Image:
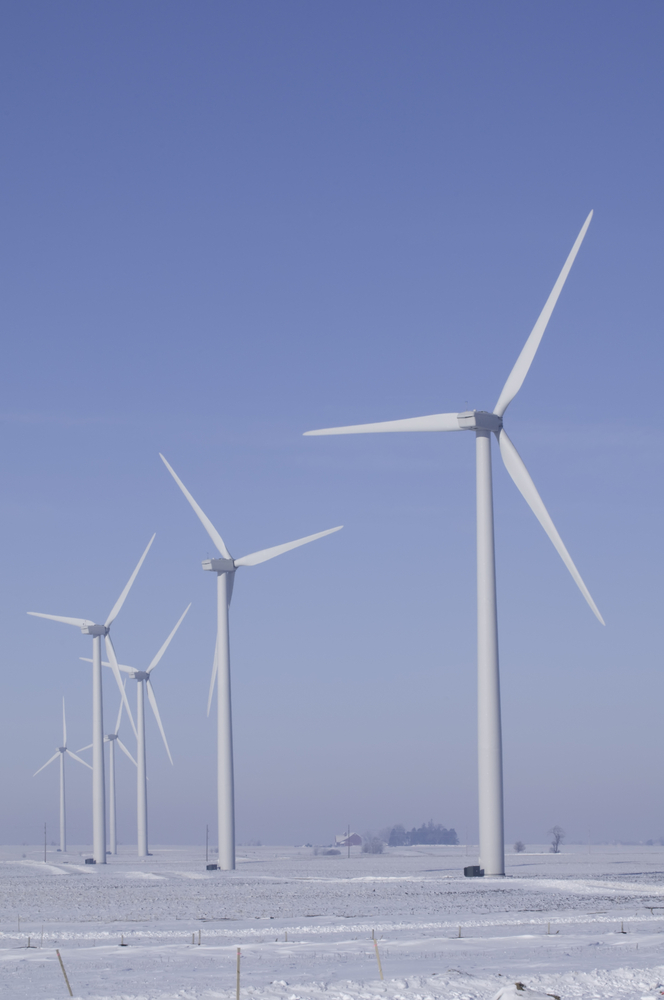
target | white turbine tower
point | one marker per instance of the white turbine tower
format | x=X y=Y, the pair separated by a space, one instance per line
x=492 y=851
x=88 y=627
x=60 y=752
x=145 y=683
x=225 y=568
x=112 y=739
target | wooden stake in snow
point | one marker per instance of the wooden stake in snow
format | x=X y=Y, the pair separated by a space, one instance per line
x=380 y=967
x=62 y=966
x=237 y=984
x=199 y=935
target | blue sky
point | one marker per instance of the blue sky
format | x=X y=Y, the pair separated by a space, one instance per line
x=224 y=224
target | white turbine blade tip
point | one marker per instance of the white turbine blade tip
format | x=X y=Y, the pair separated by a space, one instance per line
x=121 y=599
x=523 y=362
x=118 y=680
x=153 y=703
x=433 y=422
x=124 y=750
x=212 y=680
x=523 y=482
x=49 y=761
x=165 y=646
x=202 y=517
x=258 y=557
x=78 y=622
x=79 y=759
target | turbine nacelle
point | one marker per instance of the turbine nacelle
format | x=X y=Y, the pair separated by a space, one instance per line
x=94 y=629
x=479 y=420
x=141 y=675
x=219 y=565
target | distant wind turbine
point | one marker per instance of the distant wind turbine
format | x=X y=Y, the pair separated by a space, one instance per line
x=225 y=568
x=60 y=752
x=112 y=739
x=145 y=683
x=492 y=847
x=88 y=627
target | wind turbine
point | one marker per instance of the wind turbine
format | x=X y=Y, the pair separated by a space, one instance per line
x=145 y=683
x=225 y=568
x=88 y=627
x=492 y=848
x=60 y=752
x=112 y=739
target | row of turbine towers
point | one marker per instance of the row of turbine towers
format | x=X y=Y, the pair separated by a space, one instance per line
x=225 y=569
x=485 y=425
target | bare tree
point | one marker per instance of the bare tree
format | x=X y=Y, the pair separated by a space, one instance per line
x=558 y=835
x=519 y=847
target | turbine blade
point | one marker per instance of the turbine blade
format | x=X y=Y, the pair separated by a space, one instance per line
x=124 y=750
x=525 y=485
x=525 y=359
x=79 y=622
x=64 y=725
x=212 y=680
x=153 y=703
x=50 y=761
x=434 y=422
x=117 y=724
x=121 y=666
x=121 y=599
x=258 y=557
x=203 y=518
x=118 y=680
x=79 y=759
x=81 y=749
x=163 y=649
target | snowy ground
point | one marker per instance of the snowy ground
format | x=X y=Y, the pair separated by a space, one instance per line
x=584 y=924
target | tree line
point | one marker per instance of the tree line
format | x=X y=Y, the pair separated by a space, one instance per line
x=428 y=833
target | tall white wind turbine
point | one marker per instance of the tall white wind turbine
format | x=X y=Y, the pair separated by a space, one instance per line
x=225 y=568
x=492 y=849
x=88 y=627
x=60 y=752
x=112 y=739
x=144 y=683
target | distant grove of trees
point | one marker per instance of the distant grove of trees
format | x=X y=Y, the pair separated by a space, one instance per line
x=428 y=833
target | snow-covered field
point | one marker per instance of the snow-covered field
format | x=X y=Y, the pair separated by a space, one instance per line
x=586 y=923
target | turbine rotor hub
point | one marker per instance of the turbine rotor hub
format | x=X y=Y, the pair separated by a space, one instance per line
x=62 y=749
